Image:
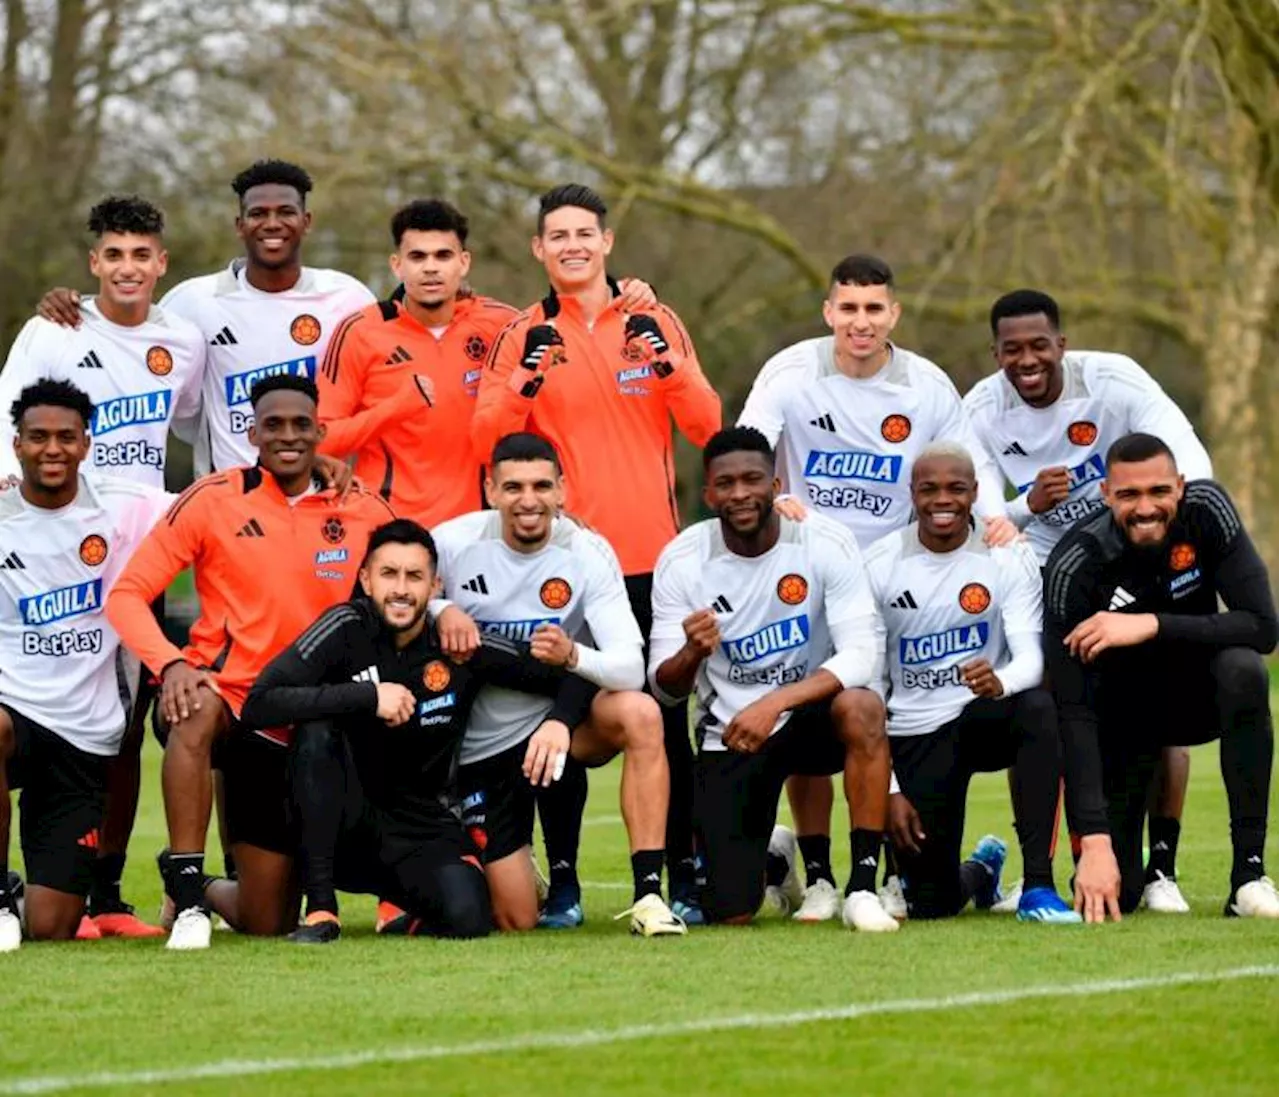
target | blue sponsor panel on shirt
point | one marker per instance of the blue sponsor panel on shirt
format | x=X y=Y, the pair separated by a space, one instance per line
x=915 y=650
x=878 y=468
x=131 y=411
x=776 y=636
x=59 y=604
x=1089 y=471
x=516 y=630
x=240 y=385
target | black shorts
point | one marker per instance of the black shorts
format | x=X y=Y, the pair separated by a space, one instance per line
x=735 y=805
x=63 y=790
x=255 y=780
x=498 y=803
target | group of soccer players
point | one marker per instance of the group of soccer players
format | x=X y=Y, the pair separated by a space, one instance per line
x=441 y=575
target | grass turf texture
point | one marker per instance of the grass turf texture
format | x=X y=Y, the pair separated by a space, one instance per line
x=75 y=1010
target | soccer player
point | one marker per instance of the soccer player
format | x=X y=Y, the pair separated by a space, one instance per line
x=849 y=413
x=410 y=366
x=142 y=367
x=265 y=315
x=382 y=711
x=1140 y=656
x=523 y=572
x=963 y=672
x=602 y=381
x=1048 y=417
x=271 y=549
x=64 y=539
x=747 y=609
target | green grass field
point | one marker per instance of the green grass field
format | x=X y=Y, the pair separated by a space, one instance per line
x=983 y=1005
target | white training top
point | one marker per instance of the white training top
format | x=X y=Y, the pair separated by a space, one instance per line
x=252 y=335
x=801 y=607
x=942 y=610
x=61 y=663
x=1104 y=397
x=573 y=581
x=140 y=380
x=848 y=443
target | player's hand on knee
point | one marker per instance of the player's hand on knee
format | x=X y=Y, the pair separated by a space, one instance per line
x=180 y=691
x=981 y=679
x=544 y=760
x=1104 y=630
x=748 y=732
x=997 y=530
x=1097 y=893
x=459 y=634
x=395 y=703
x=550 y=644
x=905 y=827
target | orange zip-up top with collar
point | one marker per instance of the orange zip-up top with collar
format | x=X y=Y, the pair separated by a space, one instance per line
x=265 y=568
x=606 y=403
x=416 y=456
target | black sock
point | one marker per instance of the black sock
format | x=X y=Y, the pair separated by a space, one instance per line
x=1037 y=777
x=974 y=875
x=321 y=787
x=864 y=850
x=229 y=866
x=186 y=880
x=815 y=852
x=104 y=891
x=775 y=869
x=890 y=862
x=682 y=875
x=1247 y=754
x=560 y=808
x=681 y=866
x=646 y=871
x=1163 y=837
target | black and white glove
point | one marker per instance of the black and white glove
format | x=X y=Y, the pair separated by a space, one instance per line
x=543 y=348
x=643 y=329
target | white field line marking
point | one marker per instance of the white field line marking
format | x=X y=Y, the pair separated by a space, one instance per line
x=542 y=1041
x=603 y=821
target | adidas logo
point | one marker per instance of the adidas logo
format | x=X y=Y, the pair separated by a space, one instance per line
x=1013 y=450
x=89 y=839
x=721 y=605
x=397 y=356
x=224 y=338
x=90 y=361
x=12 y=562
x=904 y=601
x=825 y=422
x=868 y=862
x=1121 y=598
x=251 y=529
x=476 y=585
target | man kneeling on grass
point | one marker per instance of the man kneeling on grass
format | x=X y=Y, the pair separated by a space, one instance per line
x=380 y=713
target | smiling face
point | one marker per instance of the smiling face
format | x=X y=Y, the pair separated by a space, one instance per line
x=861 y=318
x=741 y=487
x=1144 y=497
x=528 y=495
x=272 y=223
x=50 y=444
x=1029 y=350
x=432 y=266
x=573 y=247
x=286 y=431
x=943 y=490
x=399 y=580
x=127 y=265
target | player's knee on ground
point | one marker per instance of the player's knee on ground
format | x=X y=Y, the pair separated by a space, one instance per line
x=513 y=895
x=732 y=903
x=859 y=719
x=1241 y=675
x=464 y=903
x=52 y=915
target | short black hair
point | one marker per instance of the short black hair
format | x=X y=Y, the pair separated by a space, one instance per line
x=736 y=440
x=401 y=531
x=1024 y=302
x=48 y=393
x=284 y=382
x=126 y=213
x=429 y=215
x=281 y=172
x=523 y=446
x=862 y=270
x=571 y=194
x=1129 y=449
